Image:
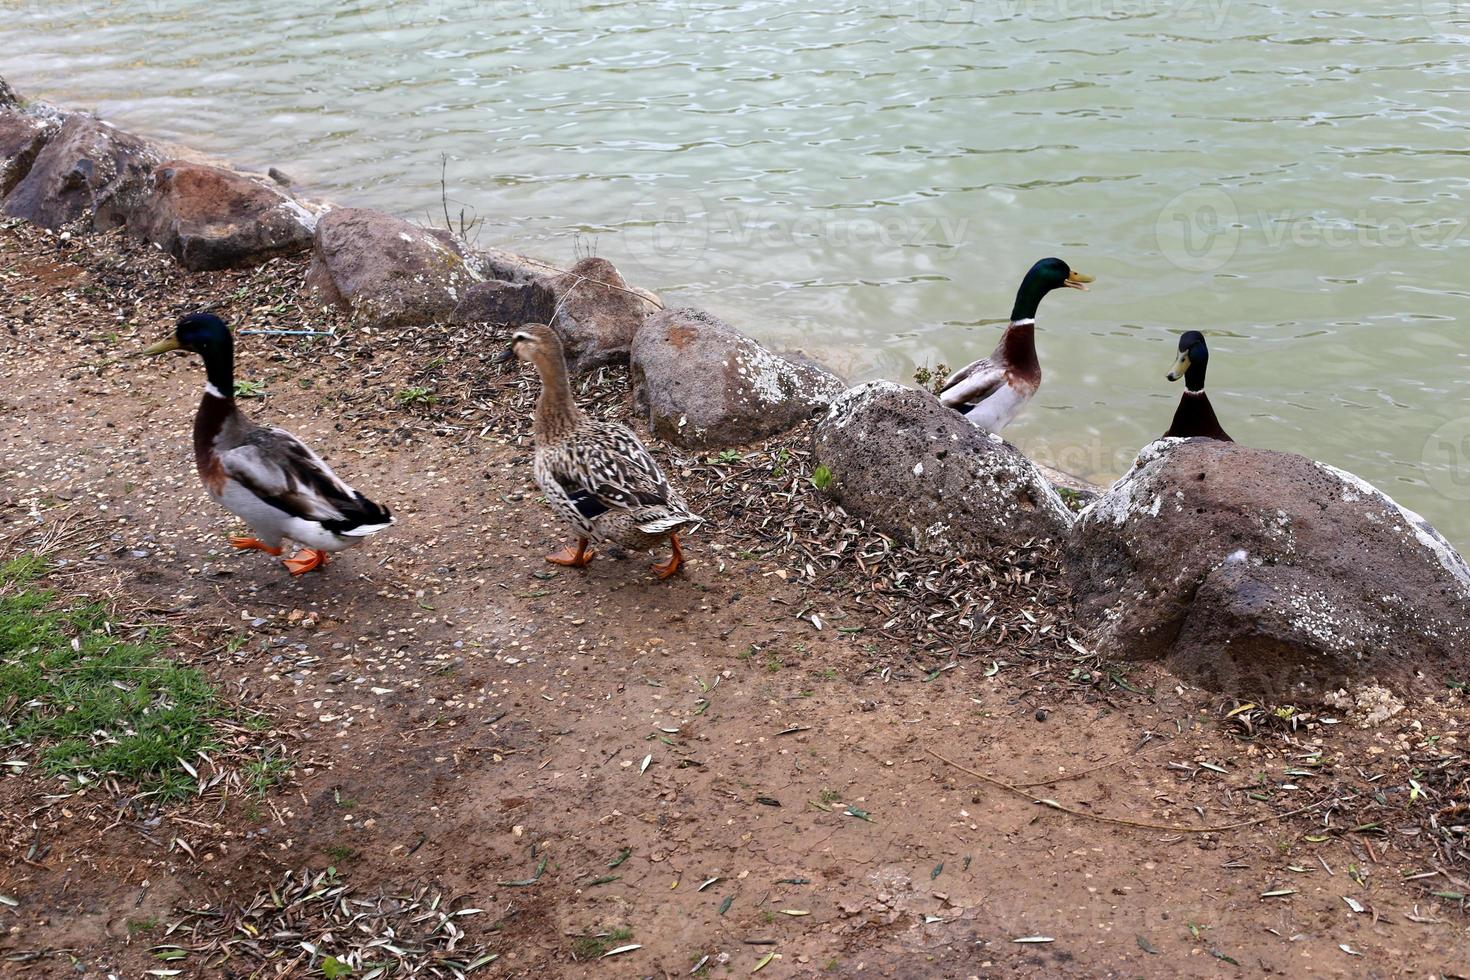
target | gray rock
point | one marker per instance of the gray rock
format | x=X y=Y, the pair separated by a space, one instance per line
x=500 y=301
x=22 y=137
x=921 y=472
x=212 y=218
x=88 y=171
x=7 y=95
x=1263 y=573
x=703 y=384
x=386 y=271
x=597 y=314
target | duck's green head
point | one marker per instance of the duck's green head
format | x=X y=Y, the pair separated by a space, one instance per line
x=206 y=335
x=1043 y=277
x=1194 y=357
x=199 y=333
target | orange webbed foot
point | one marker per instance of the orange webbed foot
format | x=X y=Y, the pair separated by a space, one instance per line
x=579 y=557
x=676 y=561
x=306 y=560
x=252 y=544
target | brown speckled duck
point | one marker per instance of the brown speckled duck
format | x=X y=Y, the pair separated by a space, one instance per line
x=596 y=475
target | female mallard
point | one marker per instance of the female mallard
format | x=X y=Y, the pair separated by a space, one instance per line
x=1194 y=416
x=596 y=475
x=266 y=476
x=992 y=391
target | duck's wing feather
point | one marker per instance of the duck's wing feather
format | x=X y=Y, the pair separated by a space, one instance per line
x=611 y=471
x=282 y=470
x=973 y=383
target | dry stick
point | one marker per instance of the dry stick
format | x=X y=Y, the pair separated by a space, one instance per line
x=1076 y=775
x=1120 y=821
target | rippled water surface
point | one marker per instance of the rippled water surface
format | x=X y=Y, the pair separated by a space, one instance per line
x=870 y=178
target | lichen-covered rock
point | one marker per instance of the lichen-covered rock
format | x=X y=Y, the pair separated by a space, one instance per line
x=703 y=384
x=212 y=218
x=1266 y=573
x=88 y=171
x=386 y=271
x=22 y=137
x=921 y=472
x=597 y=314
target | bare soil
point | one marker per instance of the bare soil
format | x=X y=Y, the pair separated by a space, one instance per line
x=756 y=739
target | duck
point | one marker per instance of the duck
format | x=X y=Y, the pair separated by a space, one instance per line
x=992 y=391
x=599 y=479
x=1195 y=416
x=266 y=476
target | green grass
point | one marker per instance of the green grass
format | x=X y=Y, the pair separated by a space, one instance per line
x=91 y=703
x=415 y=395
x=591 y=947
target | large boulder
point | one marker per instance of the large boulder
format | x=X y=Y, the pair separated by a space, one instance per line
x=1266 y=573
x=703 y=384
x=597 y=314
x=22 y=137
x=212 y=218
x=504 y=301
x=926 y=475
x=88 y=171
x=386 y=271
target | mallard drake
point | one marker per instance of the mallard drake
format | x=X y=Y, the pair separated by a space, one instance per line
x=266 y=476
x=992 y=391
x=596 y=475
x=1194 y=416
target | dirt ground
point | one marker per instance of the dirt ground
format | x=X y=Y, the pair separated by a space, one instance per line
x=736 y=768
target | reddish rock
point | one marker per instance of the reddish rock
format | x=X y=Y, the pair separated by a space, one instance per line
x=88 y=171
x=211 y=218
x=1262 y=573
x=704 y=384
x=921 y=472
x=388 y=272
x=597 y=314
x=22 y=137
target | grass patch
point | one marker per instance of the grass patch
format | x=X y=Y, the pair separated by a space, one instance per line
x=592 y=947
x=90 y=703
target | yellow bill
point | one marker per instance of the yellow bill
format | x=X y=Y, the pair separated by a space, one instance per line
x=1078 y=280
x=1180 y=366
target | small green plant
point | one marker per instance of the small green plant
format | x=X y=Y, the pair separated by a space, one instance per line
x=821 y=478
x=931 y=379
x=137 y=927
x=264 y=774
x=729 y=457
x=339 y=853
x=332 y=968
x=249 y=389
x=767 y=916
x=829 y=796
x=830 y=674
x=774 y=663
x=592 y=947
x=415 y=396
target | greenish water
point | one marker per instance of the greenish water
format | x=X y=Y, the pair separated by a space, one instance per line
x=870 y=178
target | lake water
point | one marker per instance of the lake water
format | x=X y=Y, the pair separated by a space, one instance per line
x=870 y=178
